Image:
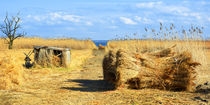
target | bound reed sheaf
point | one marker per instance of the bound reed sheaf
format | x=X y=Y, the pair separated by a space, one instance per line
x=164 y=69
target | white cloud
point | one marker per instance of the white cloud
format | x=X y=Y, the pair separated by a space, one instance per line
x=161 y=20
x=197 y=15
x=143 y=20
x=54 y=16
x=205 y=2
x=137 y=18
x=39 y=18
x=88 y=23
x=50 y=22
x=172 y=9
x=112 y=21
x=92 y=32
x=147 y=21
x=67 y=17
x=192 y=14
x=72 y=18
x=57 y=18
x=209 y=19
x=161 y=7
x=165 y=21
x=185 y=14
x=127 y=20
x=113 y=27
x=28 y=16
x=148 y=4
x=69 y=28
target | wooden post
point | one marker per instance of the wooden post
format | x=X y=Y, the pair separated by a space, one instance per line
x=66 y=58
x=35 y=55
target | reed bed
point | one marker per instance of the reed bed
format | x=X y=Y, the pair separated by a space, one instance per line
x=188 y=44
x=28 y=43
x=189 y=40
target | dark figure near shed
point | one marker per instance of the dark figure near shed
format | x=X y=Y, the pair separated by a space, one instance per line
x=27 y=59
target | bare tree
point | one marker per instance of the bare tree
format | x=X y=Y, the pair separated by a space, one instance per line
x=10 y=28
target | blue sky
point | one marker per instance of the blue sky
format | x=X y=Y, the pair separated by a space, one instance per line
x=104 y=19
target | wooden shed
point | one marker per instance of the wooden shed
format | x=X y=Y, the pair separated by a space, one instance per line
x=52 y=56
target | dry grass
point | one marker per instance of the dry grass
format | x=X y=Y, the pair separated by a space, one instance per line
x=11 y=72
x=208 y=55
x=78 y=57
x=27 y=43
x=44 y=87
x=208 y=44
x=196 y=48
x=11 y=61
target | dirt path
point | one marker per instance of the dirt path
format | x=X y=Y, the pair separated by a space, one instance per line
x=86 y=87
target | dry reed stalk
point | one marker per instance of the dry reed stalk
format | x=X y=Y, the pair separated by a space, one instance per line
x=27 y=43
x=118 y=67
x=56 y=61
x=11 y=75
x=45 y=58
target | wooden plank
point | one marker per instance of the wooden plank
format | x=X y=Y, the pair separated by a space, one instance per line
x=52 y=48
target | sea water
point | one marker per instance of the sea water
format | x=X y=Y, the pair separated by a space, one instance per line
x=102 y=42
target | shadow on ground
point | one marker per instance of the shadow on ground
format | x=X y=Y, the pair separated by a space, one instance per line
x=90 y=85
x=203 y=91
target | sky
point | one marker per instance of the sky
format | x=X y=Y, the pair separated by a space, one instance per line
x=104 y=19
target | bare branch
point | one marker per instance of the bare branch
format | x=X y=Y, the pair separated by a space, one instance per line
x=6 y=25
x=16 y=25
x=20 y=35
x=5 y=32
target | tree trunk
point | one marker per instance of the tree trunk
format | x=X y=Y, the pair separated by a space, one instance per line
x=11 y=44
